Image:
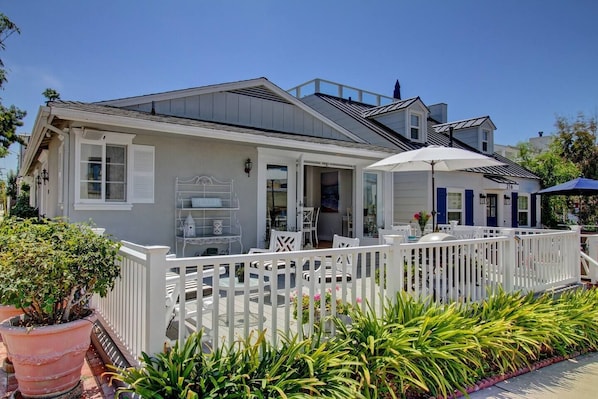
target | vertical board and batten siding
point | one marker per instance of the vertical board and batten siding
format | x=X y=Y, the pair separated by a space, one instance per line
x=395 y=121
x=238 y=109
x=470 y=136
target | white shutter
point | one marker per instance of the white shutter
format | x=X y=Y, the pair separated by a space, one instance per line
x=142 y=174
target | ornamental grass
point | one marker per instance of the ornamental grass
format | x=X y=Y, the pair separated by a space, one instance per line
x=415 y=349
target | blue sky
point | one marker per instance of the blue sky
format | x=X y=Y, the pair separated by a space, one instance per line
x=521 y=62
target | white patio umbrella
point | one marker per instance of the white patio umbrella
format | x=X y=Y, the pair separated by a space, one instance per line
x=434 y=158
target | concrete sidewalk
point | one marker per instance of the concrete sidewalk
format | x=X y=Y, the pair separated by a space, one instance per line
x=575 y=378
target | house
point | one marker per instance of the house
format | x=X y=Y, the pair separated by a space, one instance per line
x=120 y=163
x=491 y=196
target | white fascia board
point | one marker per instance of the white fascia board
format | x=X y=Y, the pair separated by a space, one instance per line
x=169 y=95
x=196 y=131
x=37 y=135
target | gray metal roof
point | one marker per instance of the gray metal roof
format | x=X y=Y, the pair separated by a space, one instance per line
x=395 y=106
x=398 y=142
x=140 y=115
x=464 y=124
x=356 y=110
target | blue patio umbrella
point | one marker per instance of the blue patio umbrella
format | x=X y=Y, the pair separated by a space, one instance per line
x=579 y=186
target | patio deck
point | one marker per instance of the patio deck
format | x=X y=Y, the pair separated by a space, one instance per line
x=465 y=270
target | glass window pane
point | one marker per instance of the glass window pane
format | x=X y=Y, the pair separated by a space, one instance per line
x=414 y=120
x=115 y=173
x=455 y=216
x=115 y=154
x=276 y=198
x=115 y=192
x=370 y=204
x=522 y=219
x=414 y=133
x=454 y=201
x=91 y=152
x=90 y=190
x=522 y=202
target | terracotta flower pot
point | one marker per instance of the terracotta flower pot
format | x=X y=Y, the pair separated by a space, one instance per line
x=48 y=360
x=8 y=312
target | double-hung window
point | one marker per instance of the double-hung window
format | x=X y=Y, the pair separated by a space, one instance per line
x=103 y=172
x=415 y=126
x=523 y=210
x=454 y=208
x=112 y=172
x=485 y=139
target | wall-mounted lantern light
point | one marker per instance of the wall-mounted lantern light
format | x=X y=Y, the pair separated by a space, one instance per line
x=482 y=199
x=248 y=166
x=45 y=176
x=507 y=200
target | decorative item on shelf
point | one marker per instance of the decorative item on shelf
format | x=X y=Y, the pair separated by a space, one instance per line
x=248 y=166
x=507 y=200
x=422 y=218
x=189 y=227
x=482 y=198
x=217 y=227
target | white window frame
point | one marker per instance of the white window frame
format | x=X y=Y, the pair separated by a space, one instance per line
x=418 y=127
x=461 y=210
x=94 y=137
x=485 y=140
x=523 y=210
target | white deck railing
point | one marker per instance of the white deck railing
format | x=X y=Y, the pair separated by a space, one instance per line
x=463 y=270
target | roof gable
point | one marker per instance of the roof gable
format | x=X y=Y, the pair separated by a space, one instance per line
x=256 y=103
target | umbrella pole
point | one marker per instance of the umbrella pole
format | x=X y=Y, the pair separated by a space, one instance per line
x=433 y=200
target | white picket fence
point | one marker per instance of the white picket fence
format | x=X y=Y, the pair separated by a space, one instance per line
x=141 y=315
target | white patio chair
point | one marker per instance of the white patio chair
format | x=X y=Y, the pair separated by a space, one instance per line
x=314 y=225
x=338 y=269
x=280 y=241
x=173 y=302
x=308 y=223
x=349 y=222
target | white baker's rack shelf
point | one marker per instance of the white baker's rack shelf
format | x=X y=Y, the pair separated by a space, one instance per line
x=213 y=207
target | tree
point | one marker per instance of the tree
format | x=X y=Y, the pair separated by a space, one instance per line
x=573 y=153
x=51 y=95
x=577 y=142
x=10 y=117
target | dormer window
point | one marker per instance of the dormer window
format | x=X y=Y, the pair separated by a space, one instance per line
x=415 y=127
x=485 y=139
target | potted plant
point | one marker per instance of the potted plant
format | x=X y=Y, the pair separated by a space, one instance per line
x=50 y=270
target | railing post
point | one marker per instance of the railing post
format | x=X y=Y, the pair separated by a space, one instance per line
x=592 y=242
x=393 y=268
x=509 y=258
x=155 y=298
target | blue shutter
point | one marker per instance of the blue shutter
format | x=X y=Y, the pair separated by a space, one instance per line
x=533 y=219
x=469 y=207
x=514 y=209
x=441 y=205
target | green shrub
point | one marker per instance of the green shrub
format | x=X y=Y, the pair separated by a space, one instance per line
x=414 y=349
x=246 y=369
x=51 y=269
